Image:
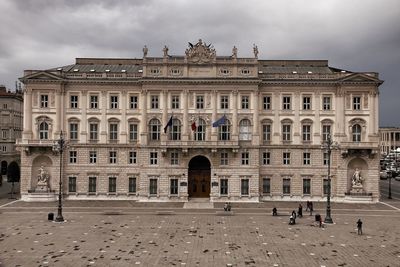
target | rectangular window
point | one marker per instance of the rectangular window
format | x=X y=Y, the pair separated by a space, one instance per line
x=112 y=157
x=92 y=184
x=175 y=102
x=72 y=156
x=174 y=158
x=92 y=157
x=223 y=187
x=224 y=102
x=326 y=103
x=244 y=187
x=286 y=101
x=153 y=186
x=326 y=186
x=326 y=131
x=153 y=158
x=286 y=158
x=132 y=157
x=306 y=158
x=173 y=186
x=154 y=102
x=72 y=184
x=73 y=131
x=245 y=102
x=93 y=131
x=224 y=133
x=74 y=101
x=266 y=185
x=113 y=134
x=326 y=158
x=306 y=133
x=44 y=101
x=224 y=158
x=267 y=103
x=266 y=132
x=4 y=133
x=133 y=132
x=357 y=103
x=286 y=132
x=286 y=186
x=112 y=184
x=199 y=102
x=266 y=158
x=306 y=186
x=245 y=158
x=114 y=102
x=94 y=100
x=306 y=103
x=133 y=102
x=132 y=185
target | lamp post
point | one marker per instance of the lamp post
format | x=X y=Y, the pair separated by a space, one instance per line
x=59 y=147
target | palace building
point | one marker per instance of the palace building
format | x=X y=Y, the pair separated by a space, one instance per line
x=200 y=125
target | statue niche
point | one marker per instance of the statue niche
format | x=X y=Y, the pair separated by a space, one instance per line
x=357 y=182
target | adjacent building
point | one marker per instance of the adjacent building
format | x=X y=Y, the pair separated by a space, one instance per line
x=389 y=138
x=200 y=125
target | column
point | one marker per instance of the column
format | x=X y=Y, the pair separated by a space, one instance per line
x=27 y=133
x=84 y=126
x=317 y=122
x=256 y=132
x=123 y=122
x=277 y=123
x=58 y=122
x=143 y=119
x=214 y=115
x=165 y=117
x=234 y=97
x=185 y=126
x=103 y=122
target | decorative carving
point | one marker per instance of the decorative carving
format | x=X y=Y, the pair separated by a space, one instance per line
x=357 y=179
x=348 y=101
x=366 y=101
x=200 y=53
x=42 y=180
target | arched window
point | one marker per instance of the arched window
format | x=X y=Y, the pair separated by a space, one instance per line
x=224 y=131
x=175 y=133
x=245 y=130
x=154 y=129
x=43 y=131
x=356 y=130
x=200 y=133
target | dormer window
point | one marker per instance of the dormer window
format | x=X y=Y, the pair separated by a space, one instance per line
x=245 y=71
x=175 y=71
x=155 y=71
x=224 y=71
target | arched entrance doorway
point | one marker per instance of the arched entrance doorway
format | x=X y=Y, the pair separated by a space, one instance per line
x=199 y=177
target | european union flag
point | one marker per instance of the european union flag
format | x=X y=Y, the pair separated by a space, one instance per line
x=219 y=122
x=168 y=125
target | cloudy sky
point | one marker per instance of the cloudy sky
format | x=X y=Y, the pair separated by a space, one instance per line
x=357 y=35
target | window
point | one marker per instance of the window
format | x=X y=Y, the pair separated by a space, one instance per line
x=112 y=184
x=72 y=156
x=113 y=131
x=286 y=132
x=154 y=102
x=244 y=187
x=245 y=102
x=224 y=102
x=153 y=186
x=357 y=103
x=93 y=131
x=224 y=158
x=200 y=131
x=306 y=158
x=306 y=132
x=175 y=133
x=92 y=184
x=92 y=157
x=94 y=100
x=73 y=131
x=72 y=184
x=175 y=102
x=199 y=102
x=153 y=158
x=4 y=133
x=223 y=186
x=286 y=158
x=326 y=103
x=286 y=101
x=326 y=131
x=132 y=157
x=326 y=158
x=266 y=158
x=173 y=186
x=326 y=186
x=73 y=101
x=44 y=101
x=356 y=129
x=5 y=106
x=245 y=158
x=43 y=131
x=132 y=185
x=245 y=130
x=112 y=157
x=114 y=102
x=266 y=185
x=224 y=132
x=133 y=102
x=174 y=158
x=306 y=103
x=286 y=186
x=155 y=127
x=306 y=186
x=266 y=132
x=133 y=132
x=267 y=103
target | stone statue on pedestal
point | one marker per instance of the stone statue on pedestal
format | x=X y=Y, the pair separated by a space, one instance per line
x=42 y=180
x=356 y=181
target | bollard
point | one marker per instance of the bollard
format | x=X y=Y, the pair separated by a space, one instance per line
x=50 y=216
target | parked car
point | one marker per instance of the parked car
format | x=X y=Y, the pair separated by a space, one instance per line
x=384 y=174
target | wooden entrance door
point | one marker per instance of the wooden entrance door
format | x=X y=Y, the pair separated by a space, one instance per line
x=199 y=183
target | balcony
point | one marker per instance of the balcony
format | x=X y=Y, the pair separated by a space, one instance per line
x=200 y=144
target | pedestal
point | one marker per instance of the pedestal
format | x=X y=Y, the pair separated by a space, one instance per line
x=356 y=189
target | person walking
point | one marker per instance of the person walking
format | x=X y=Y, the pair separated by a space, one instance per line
x=359 y=227
x=274 y=212
x=294 y=214
x=300 y=211
x=311 y=208
x=308 y=205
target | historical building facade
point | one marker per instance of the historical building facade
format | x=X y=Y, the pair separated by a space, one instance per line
x=198 y=125
x=390 y=139
x=11 y=108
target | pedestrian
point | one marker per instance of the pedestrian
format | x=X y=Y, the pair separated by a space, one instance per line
x=320 y=221
x=226 y=206
x=292 y=220
x=308 y=205
x=359 y=227
x=300 y=211
x=294 y=214
x=274 y=212
x=229 y=206
x=311 y=208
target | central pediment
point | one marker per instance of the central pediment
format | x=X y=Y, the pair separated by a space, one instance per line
x=200 y=53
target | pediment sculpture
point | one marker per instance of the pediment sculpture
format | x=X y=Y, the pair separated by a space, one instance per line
x=200 y=53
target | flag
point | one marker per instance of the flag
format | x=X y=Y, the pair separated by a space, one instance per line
x=219 y=122
x=194 y=126
x=169 y=123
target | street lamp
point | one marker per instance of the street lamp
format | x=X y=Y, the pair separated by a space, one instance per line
x=328 y=145
x=59 y=146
